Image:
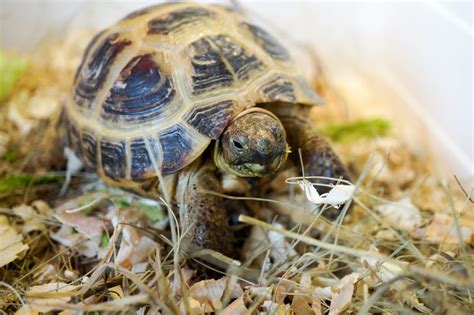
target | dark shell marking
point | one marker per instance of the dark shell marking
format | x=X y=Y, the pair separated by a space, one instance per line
x=89 y=149
x=177 y=145
x=211 y=120
x=140 y=93
x=92 y=75
x=86 y=53
x=210 y=56
x=173 y=21
x=209 y=69
x=269 y=43
x=279 y=89
x=141 y=161
x=243 y=64
x=114 y=157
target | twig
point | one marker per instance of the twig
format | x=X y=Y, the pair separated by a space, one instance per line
x=463 y=190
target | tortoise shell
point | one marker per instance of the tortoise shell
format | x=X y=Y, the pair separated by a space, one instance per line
x=155 y=89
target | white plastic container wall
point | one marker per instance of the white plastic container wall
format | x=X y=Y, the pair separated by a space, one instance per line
x=421 y=52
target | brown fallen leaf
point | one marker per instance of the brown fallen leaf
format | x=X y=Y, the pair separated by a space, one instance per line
x=443 y=230
x=11 y=243
x=182 y=279
x=209 y=293
x=342 y=294
x=42 y=298
x=235 y=308
x=67 y=237
x=135 y=247
x=87 y=225
x=401 y=214
x=31 y=218
x=302 y=305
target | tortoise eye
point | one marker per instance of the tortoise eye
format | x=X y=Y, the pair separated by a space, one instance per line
x=237 y=144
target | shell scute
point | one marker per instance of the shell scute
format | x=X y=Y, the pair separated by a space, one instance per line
x=141 y=163
x=89 y=149
x=178 y=148
x=113 y=157
x=91 y=76
x=243 y=63
x=140 y=93
x=177 y=20
x=267 y=42
x=209 y=69
x=211 y=120
x=278 y=89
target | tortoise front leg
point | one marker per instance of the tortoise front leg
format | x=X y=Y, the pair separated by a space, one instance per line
x=203 y=216
x=318 y=157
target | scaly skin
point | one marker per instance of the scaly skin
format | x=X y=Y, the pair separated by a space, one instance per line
x=319 y=159
x=205 y=213
x=202 y=215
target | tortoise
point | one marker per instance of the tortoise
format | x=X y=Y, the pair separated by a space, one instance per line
x=174 y=95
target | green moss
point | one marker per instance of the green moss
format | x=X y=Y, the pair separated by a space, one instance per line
x=104 y=240
x=11 y=67
x=366 y=128
x=89 y=209
x=153 y=212
x=122 y=202
x=12 y=182
x=10 y=156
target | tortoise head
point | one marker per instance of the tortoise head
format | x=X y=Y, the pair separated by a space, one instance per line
x=252 y=145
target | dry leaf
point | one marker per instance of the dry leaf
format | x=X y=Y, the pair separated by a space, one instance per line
x=116 y=292
x=186 y=274
x=270 y=307
x=210 y=292
x=4 y=139
x=23 y=123
x=45 y=274
x=255 y=247
x=265 y=292
x=31 y=218
x=66 y=236
x=443 y=230
x=235 y=308
x=11 y=243
x=43 y=297
x=280 y=248
x=26 y=310
x=301 y=305
x=91 y=227
x=135 y=248
x=43 y=103
x=401 y=214
x=316 y=306
x=385 y=271
x=342 y=295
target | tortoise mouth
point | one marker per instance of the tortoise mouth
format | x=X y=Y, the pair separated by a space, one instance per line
x=252 y=145
x=249 y=169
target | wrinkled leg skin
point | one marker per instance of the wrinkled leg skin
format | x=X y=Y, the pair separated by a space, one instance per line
x=203 y=215
x=318 y=157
